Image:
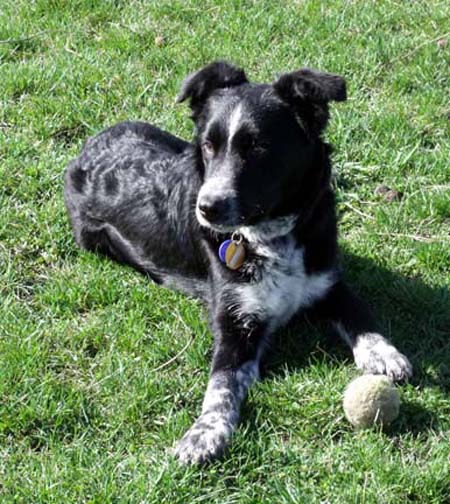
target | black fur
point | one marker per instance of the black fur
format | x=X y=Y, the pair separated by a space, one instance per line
x=199 y=85
x=258 y=166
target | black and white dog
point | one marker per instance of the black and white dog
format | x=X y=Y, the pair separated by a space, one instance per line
x=257 y=175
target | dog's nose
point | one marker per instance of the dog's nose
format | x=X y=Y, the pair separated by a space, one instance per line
x=213 y=209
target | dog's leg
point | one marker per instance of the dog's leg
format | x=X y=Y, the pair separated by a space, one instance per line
x=235 y=368
x=373 y=352
x=211 y=432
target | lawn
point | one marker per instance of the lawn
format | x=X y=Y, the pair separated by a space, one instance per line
x=91 y=398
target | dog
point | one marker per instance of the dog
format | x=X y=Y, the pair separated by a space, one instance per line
x=243 y=218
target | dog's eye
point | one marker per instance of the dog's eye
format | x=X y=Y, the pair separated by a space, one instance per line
x=208 y=148
x=263 y=146
x=247 y=143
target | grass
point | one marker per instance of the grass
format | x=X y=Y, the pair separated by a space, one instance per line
x=86 y=410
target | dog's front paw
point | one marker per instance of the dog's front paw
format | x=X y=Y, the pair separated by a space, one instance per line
x=205 y=440
x=374 y=354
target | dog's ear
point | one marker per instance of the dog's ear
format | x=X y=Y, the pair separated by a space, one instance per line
x=309 y=92
x=199 y=85
x=311 y=85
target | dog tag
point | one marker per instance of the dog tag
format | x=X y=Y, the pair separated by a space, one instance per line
x=232 y=253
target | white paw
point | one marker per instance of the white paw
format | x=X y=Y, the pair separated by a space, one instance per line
x=205 y=440
x=374 y=354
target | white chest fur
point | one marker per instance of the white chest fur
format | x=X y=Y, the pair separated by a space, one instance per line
x=284 y=286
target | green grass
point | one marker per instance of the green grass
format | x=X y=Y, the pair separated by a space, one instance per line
x=85 y=413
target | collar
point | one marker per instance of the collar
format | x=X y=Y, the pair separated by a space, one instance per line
x=232 y=251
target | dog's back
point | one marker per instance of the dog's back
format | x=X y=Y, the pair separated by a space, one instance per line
x=131 y=195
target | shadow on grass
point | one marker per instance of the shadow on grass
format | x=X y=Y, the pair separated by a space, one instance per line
x=414 y=419
x=414 y=315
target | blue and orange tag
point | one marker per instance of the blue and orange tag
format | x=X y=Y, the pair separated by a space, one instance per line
x=232 y=252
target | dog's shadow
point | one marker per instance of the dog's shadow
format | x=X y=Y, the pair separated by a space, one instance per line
x=414 y=315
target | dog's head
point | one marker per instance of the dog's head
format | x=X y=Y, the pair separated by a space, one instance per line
x=258 y=143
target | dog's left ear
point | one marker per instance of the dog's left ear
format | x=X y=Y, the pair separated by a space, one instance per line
x=309 y=92
x=199 y=85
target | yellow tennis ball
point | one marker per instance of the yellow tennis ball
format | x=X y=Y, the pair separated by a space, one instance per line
x=371 y=399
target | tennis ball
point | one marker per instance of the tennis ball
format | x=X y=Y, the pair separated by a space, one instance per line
x=371 y=399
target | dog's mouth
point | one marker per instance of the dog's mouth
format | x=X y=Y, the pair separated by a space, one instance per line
x=257 y=227
x=262 y=231
x=229 y=216
x=223 y=224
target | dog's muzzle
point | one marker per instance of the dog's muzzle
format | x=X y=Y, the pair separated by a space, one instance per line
x=215 y=210
x=217 y=204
